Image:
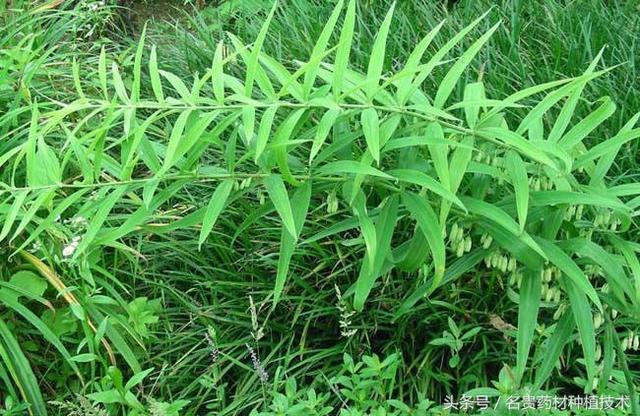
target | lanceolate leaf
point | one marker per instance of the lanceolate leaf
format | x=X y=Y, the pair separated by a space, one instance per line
x=320 y=47
x=367 y=227
x=451 y=79
x=18 y=366
x=371 y=267
x=422 y=179
x=350 y=166
x=584 y=322
x=300 y=206
x=518 y=174
x=214 y=208
x=550 y=353
x=174 y=140
x=497 y=215
x=428 y=223
x=439 y=154
x=95 y=223
x=264 y=131
x=217 y=73
x=371 y=129
x=588 y=124
x=252 y=63
x=154 y=75
x=570 y=269
x=344 y=49
x=376 y=59
x=324 y=127
x=527 y=317
x=280 y=199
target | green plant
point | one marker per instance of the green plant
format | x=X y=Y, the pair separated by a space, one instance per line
x=454 y=339
x=269 y=180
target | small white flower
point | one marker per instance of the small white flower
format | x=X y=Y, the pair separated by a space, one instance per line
x=70 y=248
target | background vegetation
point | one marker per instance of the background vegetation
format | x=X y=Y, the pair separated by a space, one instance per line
x=316 y=207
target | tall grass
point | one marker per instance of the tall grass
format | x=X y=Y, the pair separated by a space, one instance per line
x=363 y=222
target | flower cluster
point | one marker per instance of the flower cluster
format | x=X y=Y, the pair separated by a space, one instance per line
x=257 y=365
x=631 y=342
x=345 y=316
x=70 y=248
x=502 y=262
x=459 y=242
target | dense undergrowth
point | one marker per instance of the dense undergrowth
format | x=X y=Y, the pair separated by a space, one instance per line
x=353 y=208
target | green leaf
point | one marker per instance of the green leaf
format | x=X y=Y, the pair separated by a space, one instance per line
x=137 y=378
x=18 y=366
x=280 y=199
x=376 y=59
x=605 y=147
x=281 y=140
x=439 y=153
x=252 y=63
x=422 y=179
x=584 y=321
x=372 y=264
x=170 y=156
x=450 y=80
x=351 y=166
x=137 y=66
x=614 y=273
x=95 y=224
x=519 y=143
x=518 y=174
x=588 y=124
x=550 y=353
x=594 y=198
x=473 y=93
x=371 y=130
x=344 y=49
x=217 y=73
x=264 y=131
x=436 y=58
x=324 y=127
x=566 y=114
x=214 y=208
x=562 y=260
x=14 y=209
x=527 y=317
x=500 y=217
x=121 y=91
x=427 y=221
x=404 y=83
x=102 y=73
x=154 y=75
x=320 y=47
x=300 y=205
x=43 y=168
x=367 y=227
x=178 y=85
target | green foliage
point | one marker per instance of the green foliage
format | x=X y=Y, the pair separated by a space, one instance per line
x=257 y=233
